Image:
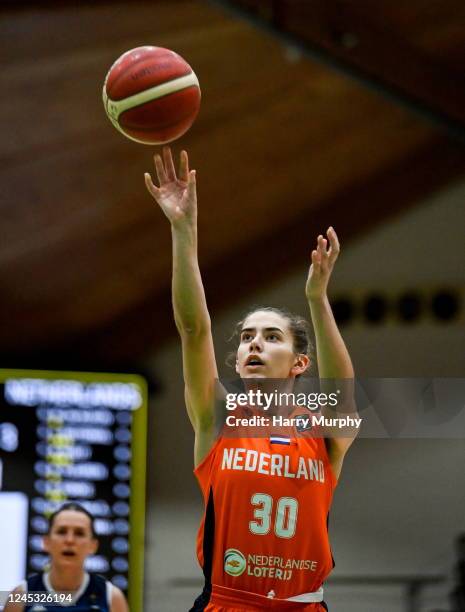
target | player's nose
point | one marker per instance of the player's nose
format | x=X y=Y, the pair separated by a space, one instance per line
x=256 y=345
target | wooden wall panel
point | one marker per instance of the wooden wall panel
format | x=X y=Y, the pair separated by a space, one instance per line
x=415 y=50
x=280 y=139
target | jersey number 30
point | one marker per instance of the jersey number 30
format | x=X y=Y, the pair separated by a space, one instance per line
x=285 y=521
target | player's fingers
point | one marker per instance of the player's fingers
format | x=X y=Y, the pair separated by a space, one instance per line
x=160 y=168
x=150 y=186
x=322 y=242
x=334 y=244
x=316 y=259
x=184 y=166
x=191 y=184
x=169 y=164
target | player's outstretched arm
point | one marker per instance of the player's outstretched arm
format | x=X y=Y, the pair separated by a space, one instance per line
x=332 y=355
x=177 y=197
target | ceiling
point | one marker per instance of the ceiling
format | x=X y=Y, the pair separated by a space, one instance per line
x=312 y=114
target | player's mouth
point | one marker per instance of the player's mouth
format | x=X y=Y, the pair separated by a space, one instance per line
x=253 y=361
x=70 y=554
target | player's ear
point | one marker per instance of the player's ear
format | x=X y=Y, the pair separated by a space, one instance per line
x=94 y=546
x=301 y=364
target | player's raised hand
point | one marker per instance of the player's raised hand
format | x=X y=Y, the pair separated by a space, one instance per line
x=176 y=195
x=323 y=260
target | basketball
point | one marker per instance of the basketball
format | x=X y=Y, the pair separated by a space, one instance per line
x=151 y=95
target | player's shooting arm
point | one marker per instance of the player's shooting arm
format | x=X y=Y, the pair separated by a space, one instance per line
x=178 y=200
x=194 y=326
x=332 y=355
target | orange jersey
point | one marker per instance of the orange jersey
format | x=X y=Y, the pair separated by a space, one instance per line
x=267 y=501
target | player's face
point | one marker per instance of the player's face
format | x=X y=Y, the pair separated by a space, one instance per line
x=70 y=539
x=266 y=348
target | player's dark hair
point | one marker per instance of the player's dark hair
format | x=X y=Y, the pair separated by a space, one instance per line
x=298 y=326
x=75 y=507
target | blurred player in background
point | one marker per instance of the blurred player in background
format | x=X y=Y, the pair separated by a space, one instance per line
x=263 y=542
x=69 y=541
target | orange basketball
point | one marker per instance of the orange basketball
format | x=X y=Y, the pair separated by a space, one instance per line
x=151 y=95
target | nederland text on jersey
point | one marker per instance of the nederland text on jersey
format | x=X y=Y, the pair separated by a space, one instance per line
x=272 y=464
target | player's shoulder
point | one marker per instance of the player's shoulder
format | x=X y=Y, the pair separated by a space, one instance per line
x=20 y=588
x=113 y=593
x=117 y=600
x=16 y=606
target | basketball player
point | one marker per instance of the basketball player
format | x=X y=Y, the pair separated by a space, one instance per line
x=70 y=539
x=263 y=542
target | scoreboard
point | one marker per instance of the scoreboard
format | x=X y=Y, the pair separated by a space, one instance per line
x=73 y=436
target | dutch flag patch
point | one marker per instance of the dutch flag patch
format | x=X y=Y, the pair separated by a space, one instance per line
x=275 y=439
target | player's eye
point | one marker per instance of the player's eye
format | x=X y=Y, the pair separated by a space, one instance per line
x=273 y=337
x=246 y=337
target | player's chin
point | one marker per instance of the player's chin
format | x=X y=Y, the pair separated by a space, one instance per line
x=253 y=375
x=68 y=559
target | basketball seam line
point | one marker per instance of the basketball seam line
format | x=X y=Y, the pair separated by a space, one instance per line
x=116 y=107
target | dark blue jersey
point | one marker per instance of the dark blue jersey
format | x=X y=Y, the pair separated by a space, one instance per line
x=91 y=597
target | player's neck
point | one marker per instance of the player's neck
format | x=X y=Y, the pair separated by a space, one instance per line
x=67 y=579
